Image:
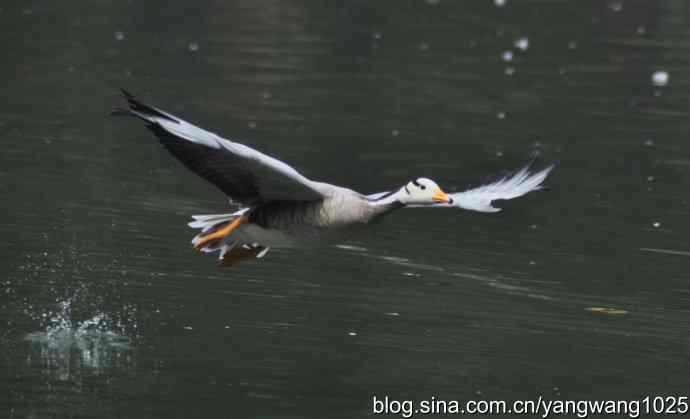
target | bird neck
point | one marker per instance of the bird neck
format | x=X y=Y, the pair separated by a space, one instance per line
x=388 y=202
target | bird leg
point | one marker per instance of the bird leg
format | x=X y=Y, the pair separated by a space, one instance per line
x=221 y=233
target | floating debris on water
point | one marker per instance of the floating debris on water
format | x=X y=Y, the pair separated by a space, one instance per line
x=507 y=56
x=606 y=310
x=521 y=43
x=660 y=78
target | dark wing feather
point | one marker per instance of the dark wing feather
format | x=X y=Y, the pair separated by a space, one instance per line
x=226 y=173
x=244 y=174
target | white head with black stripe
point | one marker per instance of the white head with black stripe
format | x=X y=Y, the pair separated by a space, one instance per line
x=423 y=191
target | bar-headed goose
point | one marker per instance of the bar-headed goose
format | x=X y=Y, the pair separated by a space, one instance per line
x=280 y=205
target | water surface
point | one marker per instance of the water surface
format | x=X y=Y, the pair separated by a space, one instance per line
x=579 y=293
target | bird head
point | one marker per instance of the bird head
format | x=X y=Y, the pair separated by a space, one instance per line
x=423 y=191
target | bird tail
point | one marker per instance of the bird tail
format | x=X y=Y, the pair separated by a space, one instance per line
x=208 y=224
x=232 y=249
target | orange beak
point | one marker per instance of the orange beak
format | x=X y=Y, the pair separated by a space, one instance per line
x=441 y=197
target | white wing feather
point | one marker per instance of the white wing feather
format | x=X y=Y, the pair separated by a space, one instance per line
x=508 y=187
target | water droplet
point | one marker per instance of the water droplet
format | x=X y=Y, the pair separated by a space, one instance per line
x=572 y=45
x=507 y=56
x=616 y=6
x=501 y=115
x=395 y=133
x=119 y=36
x=509 y=71
x=648 y=143
x=392 y=313
x=656 y=224
x=650 y=178
x=522 y=43
x=376 y=35
x=266 y=95
x=252 y=125
x=499 y=3
x=352 y=333
x=188 y=328
x=641 y=30
x=499 y=154
x=193 y=47
x=423 y=46
x=660 y=78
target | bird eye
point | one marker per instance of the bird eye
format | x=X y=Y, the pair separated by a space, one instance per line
x=422 y=186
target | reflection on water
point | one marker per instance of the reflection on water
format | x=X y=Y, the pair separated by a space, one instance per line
x=67 y=346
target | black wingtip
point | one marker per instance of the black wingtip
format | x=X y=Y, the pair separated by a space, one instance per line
x=138 y=108
x=126 y=94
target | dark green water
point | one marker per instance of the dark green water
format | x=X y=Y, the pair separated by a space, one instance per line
x=106 y=310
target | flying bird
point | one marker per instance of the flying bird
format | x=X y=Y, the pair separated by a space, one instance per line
x=279 y=205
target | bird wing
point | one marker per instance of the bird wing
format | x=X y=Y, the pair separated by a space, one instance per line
x=246 y=175
x=510 y=186
x=480 y=198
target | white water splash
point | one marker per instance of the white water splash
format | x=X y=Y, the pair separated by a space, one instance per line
x=66 y=346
